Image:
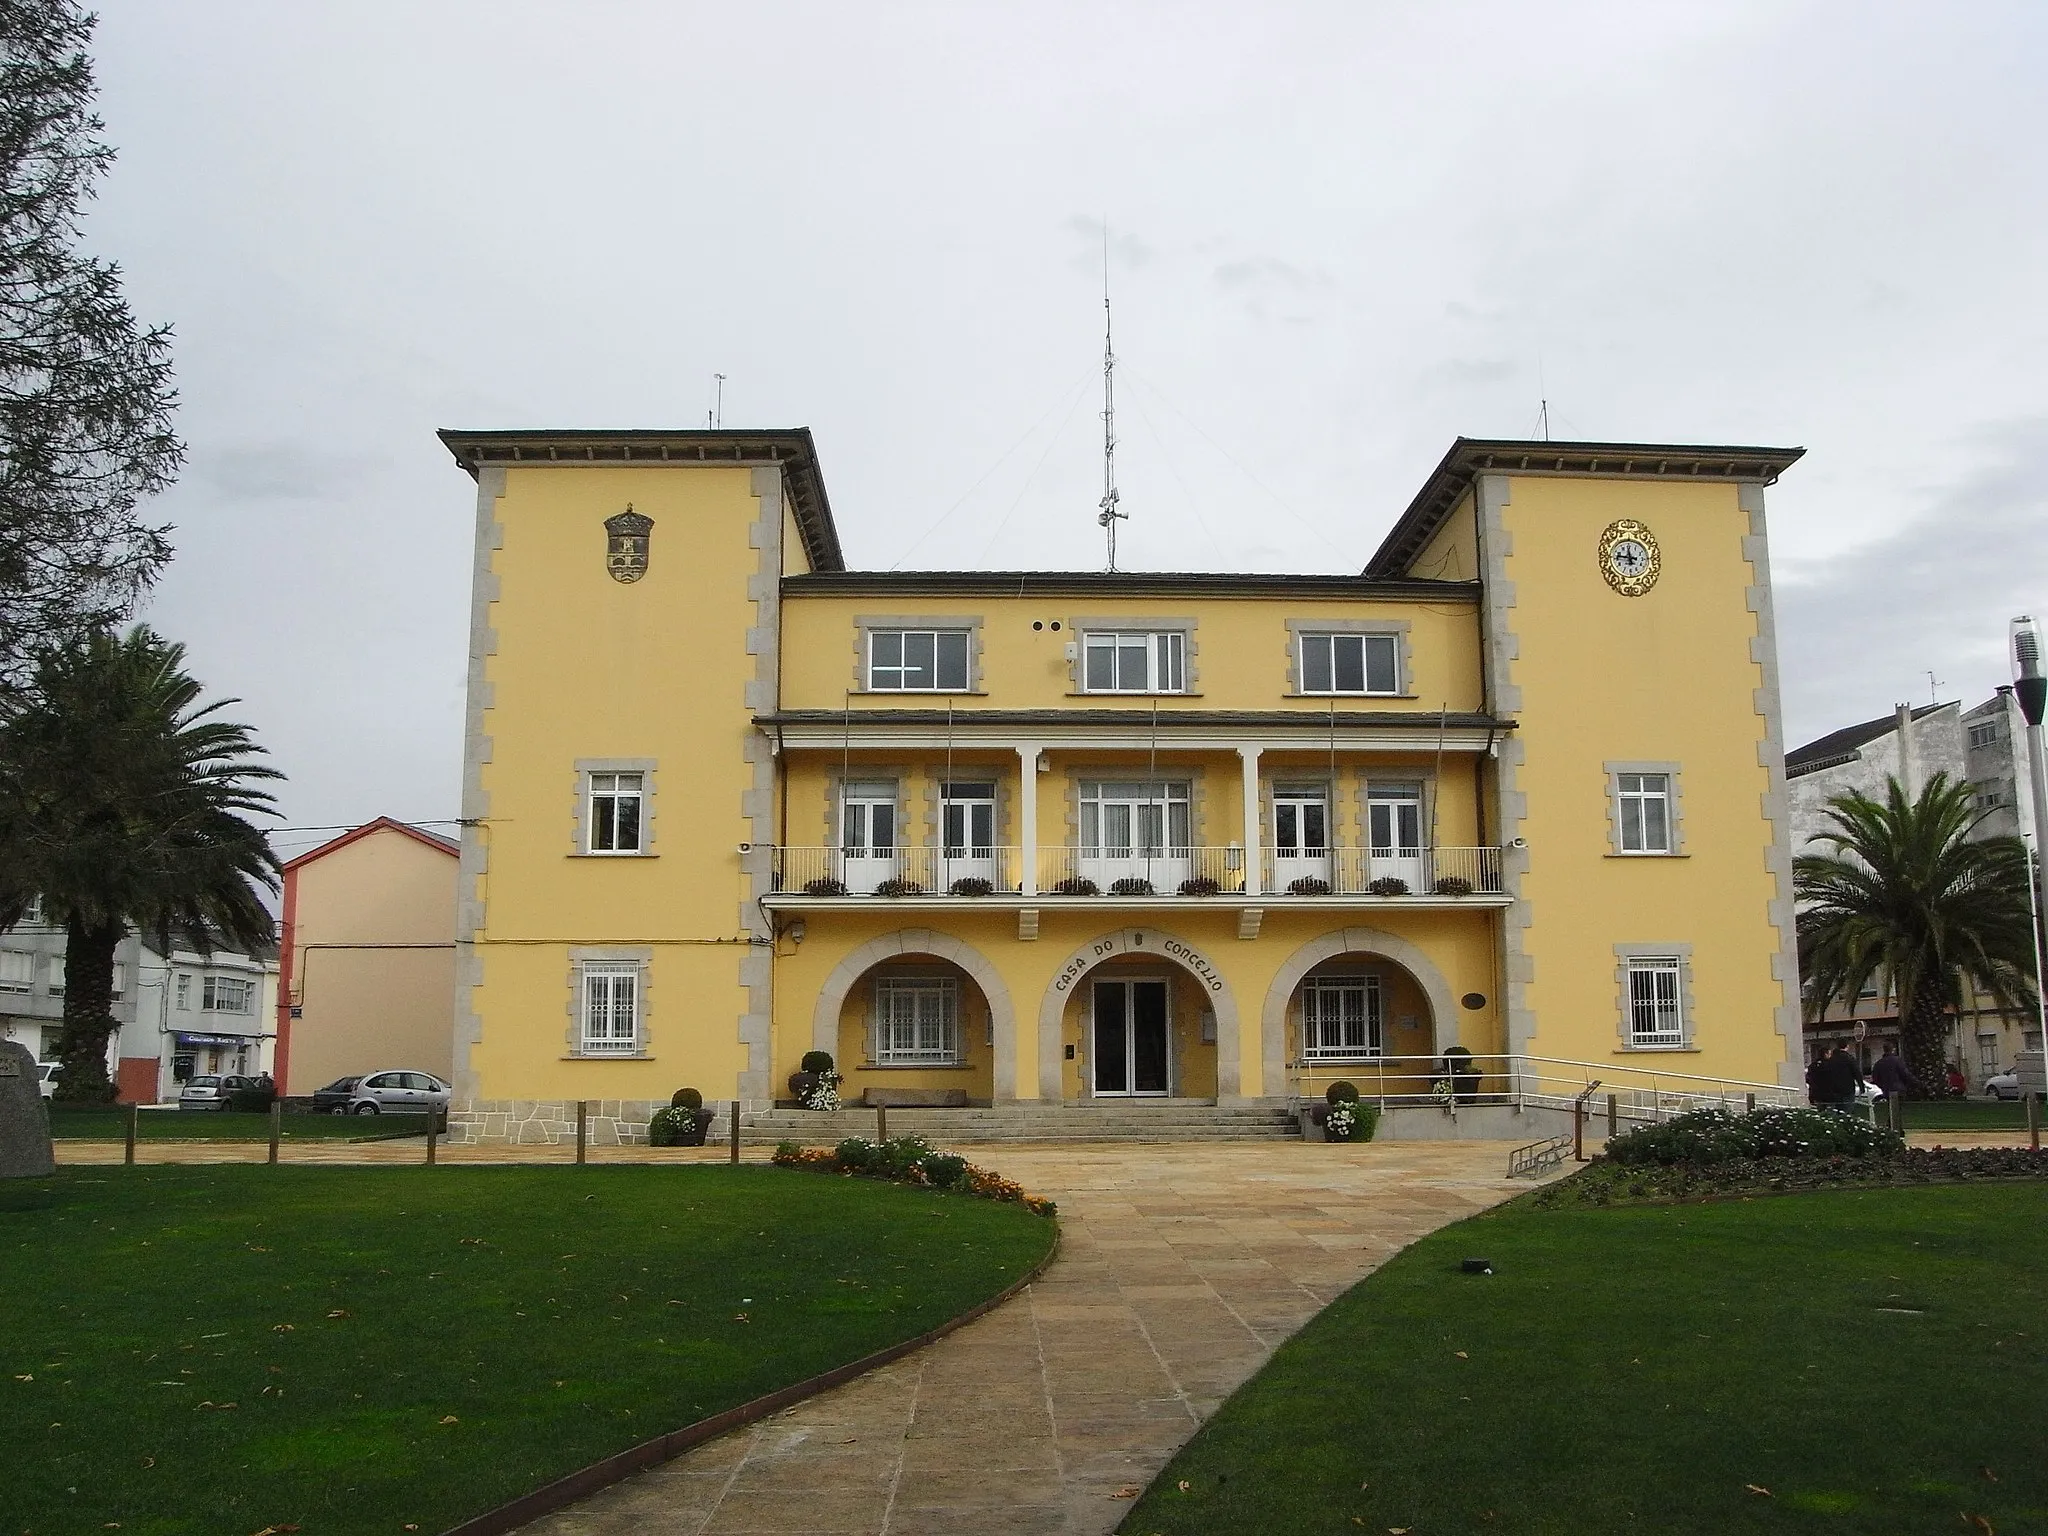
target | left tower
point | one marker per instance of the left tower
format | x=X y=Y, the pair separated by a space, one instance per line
x=624 y=634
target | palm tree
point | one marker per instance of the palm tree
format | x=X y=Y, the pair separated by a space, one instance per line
x=121 y=802
x=1908 y=900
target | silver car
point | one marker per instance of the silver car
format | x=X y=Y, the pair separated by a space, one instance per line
x=2003 y=1085
x=209 y=1092
x=400 y=1093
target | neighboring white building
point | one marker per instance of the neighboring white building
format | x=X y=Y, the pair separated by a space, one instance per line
x=1985 y=747
x=32 y=984
x=198 y=1014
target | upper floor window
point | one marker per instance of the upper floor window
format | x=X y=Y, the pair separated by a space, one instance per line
x=1645 y=803
x=1984 y=735
x=34 y=914
x=917 y=660
x=1655 y=1014
x=1342 y=663
x=120 y=981
x=615 y=804
x=1128 y=661
x=185 y=990
x=56 y=975
x=226 y=994
x=1990 y=794
x=917 y=1022
x=17 y=971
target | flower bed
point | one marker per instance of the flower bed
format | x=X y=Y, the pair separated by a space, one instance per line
x=1605 y=1182
x=1703 y=1136
x=909 y=1160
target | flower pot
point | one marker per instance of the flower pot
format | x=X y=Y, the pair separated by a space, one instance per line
x=801 y=1084
x=694 y=1136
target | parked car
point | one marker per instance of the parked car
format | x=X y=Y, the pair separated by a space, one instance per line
x=46 y=1078
x=209 y=1092
x=2003 y=1085
x=400 y=1093
x=333 y=1099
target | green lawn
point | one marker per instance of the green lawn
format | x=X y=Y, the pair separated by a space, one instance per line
x=1964 y=1115
x=1864 y=1355
x=219 y=1349
x=227 y=1125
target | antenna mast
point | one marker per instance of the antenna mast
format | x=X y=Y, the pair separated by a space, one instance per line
x=1108 y=516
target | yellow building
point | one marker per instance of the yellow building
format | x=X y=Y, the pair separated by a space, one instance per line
x=1038 y=838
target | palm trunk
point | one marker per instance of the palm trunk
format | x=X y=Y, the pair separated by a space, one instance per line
x=1923 y=1031
x=88 y=1013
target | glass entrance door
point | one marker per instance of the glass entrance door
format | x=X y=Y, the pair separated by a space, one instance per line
x=1130 y=1039
x=1394 y=831
x=1301 y=834
x=967 y=832
x=867 y=836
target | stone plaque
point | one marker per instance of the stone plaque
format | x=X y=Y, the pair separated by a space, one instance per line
x=25 y=1151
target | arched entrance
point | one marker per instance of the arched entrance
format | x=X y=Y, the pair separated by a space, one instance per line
x=1323 y=959
x=901 y=964
x=1196 y=1010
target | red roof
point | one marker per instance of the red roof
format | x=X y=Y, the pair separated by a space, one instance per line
x=382 y=824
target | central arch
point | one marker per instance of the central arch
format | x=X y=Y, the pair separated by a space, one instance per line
x=1148 y=942
x=858 y=962
x=1353 y=941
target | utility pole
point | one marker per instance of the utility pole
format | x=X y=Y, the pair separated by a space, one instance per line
x=2030 y=686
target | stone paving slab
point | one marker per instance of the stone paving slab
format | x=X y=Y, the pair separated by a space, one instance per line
x=1181 y=1268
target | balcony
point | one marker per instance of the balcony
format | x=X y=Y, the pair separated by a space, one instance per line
x=1350 y=876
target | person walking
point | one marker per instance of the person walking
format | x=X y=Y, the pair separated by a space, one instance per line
x=1832 y=1080
x=1893 y=1076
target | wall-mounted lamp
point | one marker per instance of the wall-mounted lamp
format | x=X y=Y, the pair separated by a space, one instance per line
x=1044 y=762
x=796 y=931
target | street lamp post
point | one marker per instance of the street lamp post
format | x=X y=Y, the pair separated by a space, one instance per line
x=2030 y=686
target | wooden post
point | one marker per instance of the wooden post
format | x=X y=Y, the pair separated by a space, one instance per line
x=734 y=1130
x=2033 y=1120
x=128 y=1156
x=276 y=1127
x=1578 y=1130
x=582 y=1130
x=433 y=1134
x=1752 y=1103
x=881 y=1122
x=1896 y=1108
x=1613 y=1113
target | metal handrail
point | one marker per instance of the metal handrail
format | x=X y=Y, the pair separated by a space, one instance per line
x=1639 y=1092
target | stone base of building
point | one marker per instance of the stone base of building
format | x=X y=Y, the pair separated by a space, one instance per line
x=547 y=1122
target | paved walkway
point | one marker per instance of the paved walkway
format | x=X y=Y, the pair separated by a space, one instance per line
x=1181 y=1267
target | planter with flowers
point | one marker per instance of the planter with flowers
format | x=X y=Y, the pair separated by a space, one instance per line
x=815 y=1085
x=683 y=1123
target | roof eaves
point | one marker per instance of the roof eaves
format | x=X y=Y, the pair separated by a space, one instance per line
x=382 y=824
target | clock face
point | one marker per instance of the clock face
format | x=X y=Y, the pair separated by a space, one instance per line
x=1629 y=557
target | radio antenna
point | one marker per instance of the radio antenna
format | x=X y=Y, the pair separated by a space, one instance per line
x=1108 y=515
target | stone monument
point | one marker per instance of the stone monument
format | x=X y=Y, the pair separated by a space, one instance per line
x=24 y=1124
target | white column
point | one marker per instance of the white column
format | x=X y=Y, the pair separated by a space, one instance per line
x=1248 y=758
x=1027 y=815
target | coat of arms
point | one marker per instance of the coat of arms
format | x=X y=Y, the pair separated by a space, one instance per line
x=625 y=545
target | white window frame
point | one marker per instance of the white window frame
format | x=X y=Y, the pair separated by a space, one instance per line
x=23 y=962
x=1983 y=733
x=56 y=979
x=34 y=914
x=184 y=991
x=1165 y=659
x=895 y=677
x=609 y=787
x=608 y=980
x=1314 y=1023
x=1162 y=817
x=215 y=992
x=1330 y=643
x=1653 y=987
x=120 y=981
x=1639 y=800
x=923 y=1041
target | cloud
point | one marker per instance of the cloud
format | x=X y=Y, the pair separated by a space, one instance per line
x=269 y=472
x=1860 y=631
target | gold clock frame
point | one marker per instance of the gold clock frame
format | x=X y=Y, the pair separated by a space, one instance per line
x=1628 y=528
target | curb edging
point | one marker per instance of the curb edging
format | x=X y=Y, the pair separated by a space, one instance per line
x=652 y=1453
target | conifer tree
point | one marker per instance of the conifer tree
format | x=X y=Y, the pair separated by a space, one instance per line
x=85 y=394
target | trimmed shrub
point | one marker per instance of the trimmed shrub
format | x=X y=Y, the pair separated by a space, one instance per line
x=1341 y=1092
x=1309 y=885
x=1716 y=1135
x=1201 y=885
x=1453 y=885
x=973 y=885
x=816 y=1061
x=1349 y=1120
x=899 y=888
x=686 y=1098
x=857 y=1154
x=1389 y=885
x=1076 y=885
x=824 y=885
x=1132 y=885
x=943 y=1170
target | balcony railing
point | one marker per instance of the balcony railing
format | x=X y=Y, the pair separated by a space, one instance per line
x=1430 y=873
x=1385 y=872
x=896 y=872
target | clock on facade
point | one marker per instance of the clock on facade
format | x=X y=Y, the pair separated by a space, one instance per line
x=1629 y=557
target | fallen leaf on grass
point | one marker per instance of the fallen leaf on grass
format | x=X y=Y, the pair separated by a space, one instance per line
x=1993 y=1476
x=1982 y=1524
x=1463 y=1356
x=1183 y=1485
x=339 y=1312
x=1752 y=1487
x=149 y=1461
x=741 y=1317
x=451 y=1419
x=282 y=1328
x=25 y=1378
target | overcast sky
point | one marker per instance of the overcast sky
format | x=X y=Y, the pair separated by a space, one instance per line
x=1341 y=235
